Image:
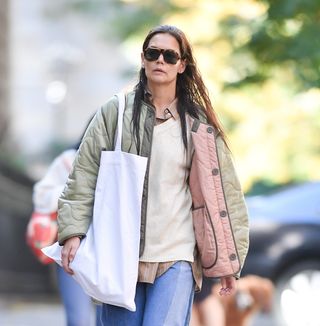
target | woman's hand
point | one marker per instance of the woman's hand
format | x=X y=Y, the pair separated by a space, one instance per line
x=228 y=285
x=68 y=253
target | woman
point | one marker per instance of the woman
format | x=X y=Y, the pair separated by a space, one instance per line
x=190 y=180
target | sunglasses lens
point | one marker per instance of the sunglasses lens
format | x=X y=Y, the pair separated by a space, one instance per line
x=169 y=56
x=152 y=54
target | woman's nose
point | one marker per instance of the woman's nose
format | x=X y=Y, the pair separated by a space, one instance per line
x=160 y=58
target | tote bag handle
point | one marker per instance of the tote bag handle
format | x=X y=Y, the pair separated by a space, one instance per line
x=121 y=106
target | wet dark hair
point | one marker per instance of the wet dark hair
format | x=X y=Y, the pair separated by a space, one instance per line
x=191 y=92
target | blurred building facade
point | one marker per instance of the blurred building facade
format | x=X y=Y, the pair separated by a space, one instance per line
x=4 y=66
x=56 y=70
x=62 y=70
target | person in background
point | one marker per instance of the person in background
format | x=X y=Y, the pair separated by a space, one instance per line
x=78 y=306
x=191 y=189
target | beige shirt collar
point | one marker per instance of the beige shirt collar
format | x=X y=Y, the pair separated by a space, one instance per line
x=171 y=110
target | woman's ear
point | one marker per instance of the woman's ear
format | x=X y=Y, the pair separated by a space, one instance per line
x=182 y=66
x=142 y=60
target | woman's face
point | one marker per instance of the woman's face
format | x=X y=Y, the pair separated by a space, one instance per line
x=159 y=72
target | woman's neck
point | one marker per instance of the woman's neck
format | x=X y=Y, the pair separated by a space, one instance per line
x=162 y=96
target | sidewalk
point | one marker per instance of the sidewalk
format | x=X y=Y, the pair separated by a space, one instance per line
x=26 y=311
x=48 y=311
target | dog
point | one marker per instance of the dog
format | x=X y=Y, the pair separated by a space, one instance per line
x=254 y=294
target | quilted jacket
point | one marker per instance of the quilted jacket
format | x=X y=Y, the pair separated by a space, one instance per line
x=219 y=211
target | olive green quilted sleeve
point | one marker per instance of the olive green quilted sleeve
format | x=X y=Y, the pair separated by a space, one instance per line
x=76 y=201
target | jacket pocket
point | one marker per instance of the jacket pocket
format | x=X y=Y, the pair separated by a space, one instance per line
x=205 y=237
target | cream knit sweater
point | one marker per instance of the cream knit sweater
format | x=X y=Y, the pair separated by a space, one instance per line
x=169 y=228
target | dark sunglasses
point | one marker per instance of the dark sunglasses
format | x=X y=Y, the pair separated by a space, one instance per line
x=169 y=56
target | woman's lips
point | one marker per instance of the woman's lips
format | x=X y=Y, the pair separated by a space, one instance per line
x=159 y=70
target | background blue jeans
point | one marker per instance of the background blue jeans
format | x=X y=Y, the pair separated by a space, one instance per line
x=167 y=302
x=78 y=305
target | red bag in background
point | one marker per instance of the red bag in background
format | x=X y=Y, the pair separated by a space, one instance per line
x=41 y=232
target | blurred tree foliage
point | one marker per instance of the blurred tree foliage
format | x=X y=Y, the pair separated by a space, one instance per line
x=286 y=35
x=261 y=63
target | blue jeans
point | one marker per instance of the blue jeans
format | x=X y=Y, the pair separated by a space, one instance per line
x=167 y=302
x=78 y=305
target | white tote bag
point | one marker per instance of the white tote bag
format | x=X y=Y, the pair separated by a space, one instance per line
x=106 y=263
